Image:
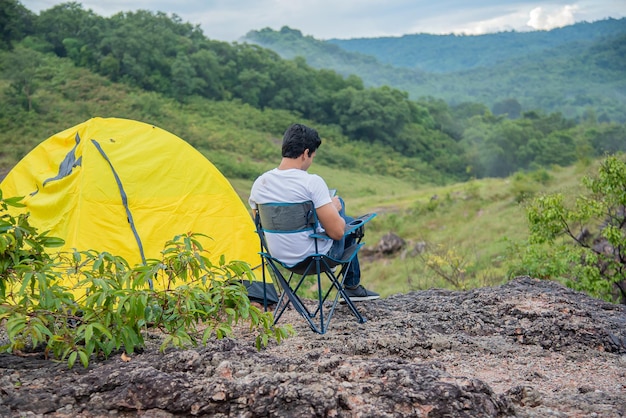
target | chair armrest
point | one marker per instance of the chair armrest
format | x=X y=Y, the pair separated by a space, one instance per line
x=358 y=223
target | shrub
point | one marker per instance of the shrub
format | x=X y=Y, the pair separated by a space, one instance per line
x=581 y=240
x=108 y=305
x=447 y=264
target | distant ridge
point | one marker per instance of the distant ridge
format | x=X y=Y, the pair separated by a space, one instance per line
x=570 y=70
x=434 y=53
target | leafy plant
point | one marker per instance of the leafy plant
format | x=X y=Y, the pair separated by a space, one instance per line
x=581 y=241
x=447 y=264
x=22 y=249
x=76 y=305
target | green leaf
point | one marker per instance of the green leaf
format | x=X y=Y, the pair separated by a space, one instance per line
x=15 y=201
x=52 y=242
x=84 y=358
x=254 y=316
x=88 y=333
x=15 y=325
x=72 y=359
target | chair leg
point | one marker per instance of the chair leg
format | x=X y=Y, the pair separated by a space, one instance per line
x=342 y=292
x=318 y=319
x=295 y=301
x=336 y=283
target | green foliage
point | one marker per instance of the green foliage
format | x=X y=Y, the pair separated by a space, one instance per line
x=569 y=69
x=231 y=166
x=22 y=72
x=86 y=303
x=581 y=240
x=509 y=107
x=374 y=114
x=233 y=102
x=451 y=53
x=525 y=186
x=448 y=265
x=22 y=248
x=241 y=140
x=171 y=74
x=15 y=23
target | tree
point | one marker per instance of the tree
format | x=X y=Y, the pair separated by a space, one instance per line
x=557 y=148
x=373 y=115
x=609 y=138
x=209 y=74
x=509 y=107
x=183 y=78
x=581 y=240
x=15 y=23
x=499 y=152
x=141 y=49
x=22 y=70
x=70 y=21
x=443 y=118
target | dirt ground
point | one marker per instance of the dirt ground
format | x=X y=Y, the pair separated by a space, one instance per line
x=528 y=348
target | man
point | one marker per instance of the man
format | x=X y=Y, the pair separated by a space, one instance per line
x=291 y=183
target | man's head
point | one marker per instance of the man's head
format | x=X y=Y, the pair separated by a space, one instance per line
x=299 y=138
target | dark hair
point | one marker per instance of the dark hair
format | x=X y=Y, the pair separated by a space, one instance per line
x=298 y=138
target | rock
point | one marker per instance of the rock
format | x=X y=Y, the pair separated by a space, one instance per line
x=526 y=348
x=390 y=243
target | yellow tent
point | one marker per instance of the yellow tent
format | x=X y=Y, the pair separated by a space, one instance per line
x=127 y=187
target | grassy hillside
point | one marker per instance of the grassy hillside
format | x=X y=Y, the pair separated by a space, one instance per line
x=469 y=223
x=240 y=139
x=468 y=226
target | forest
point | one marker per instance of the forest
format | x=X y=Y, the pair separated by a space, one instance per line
x=379 y=129
x=570 y=69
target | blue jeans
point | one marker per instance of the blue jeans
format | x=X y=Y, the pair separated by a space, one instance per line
x=353 y=275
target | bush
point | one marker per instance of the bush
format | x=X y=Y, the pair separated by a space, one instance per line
x=108 y=305
x=581 y=240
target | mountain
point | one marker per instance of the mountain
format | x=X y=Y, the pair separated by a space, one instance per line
x=453 y=53
x=572 y=70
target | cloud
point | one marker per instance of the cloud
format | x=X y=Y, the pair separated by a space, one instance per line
x=542 y=19
x=228 y=20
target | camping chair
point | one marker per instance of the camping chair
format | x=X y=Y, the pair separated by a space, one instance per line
x=286 y=218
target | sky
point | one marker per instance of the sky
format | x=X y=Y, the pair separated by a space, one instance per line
x=230 y=20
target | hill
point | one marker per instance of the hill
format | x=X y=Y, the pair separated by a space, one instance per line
x=454 y=53
x=473 y=223
x=569 y=70
x=383 y=152
x=369 y=130
x=528 y=348
x=522 y=348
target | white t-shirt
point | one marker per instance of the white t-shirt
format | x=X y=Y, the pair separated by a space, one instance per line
x=291 y=186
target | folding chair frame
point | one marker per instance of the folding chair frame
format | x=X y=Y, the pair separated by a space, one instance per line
x=316 y=264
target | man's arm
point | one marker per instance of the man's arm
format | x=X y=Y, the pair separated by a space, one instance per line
x=329 y=217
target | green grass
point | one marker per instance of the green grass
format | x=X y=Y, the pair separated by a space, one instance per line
x=473 y=221
x=476 y=221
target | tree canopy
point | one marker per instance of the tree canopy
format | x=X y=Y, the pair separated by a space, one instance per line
x=157 y=53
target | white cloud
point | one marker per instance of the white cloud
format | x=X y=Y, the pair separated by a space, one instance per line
x=542 y=19
x=501 y=23
x=228 y=20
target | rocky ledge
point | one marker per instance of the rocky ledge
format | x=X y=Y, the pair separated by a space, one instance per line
x=528 y=348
